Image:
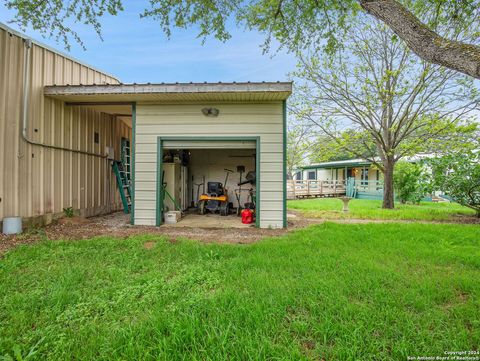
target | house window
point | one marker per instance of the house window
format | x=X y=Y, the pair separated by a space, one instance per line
x=364 y=179
x=312 y=175
x=299 y=176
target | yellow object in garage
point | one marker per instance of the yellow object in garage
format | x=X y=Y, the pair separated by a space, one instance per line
x=216 y=198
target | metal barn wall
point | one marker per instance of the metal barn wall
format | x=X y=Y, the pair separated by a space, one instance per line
x=34 y=180
x=235 y=120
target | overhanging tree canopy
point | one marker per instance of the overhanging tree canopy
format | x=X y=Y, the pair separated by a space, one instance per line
x=295 y=24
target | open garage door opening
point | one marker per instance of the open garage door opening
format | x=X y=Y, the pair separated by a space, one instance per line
x=208 y=184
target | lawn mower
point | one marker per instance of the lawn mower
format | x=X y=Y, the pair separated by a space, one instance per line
x=216 y=198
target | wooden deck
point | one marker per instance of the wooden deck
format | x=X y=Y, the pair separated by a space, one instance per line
x=315 y=189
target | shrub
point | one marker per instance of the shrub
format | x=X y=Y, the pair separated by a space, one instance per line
x=458 y=175
x=410 y=182
x=68 y=212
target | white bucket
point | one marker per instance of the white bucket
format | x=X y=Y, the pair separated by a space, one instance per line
x=171 y=217
x=12 y=225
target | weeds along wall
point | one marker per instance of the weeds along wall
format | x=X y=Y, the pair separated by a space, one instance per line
x=36 y=182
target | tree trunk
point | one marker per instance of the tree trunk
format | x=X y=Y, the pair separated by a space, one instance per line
x=424 y=42
x=388 y=197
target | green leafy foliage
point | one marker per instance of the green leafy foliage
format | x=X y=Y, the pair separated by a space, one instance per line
x=210 y=17
x=58 y=18
x=296 y=25
x=68 y=212
x=410 y=181
x=325 y=149
x=458 y=175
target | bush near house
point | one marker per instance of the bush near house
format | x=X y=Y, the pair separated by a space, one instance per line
x=333 y=292
x=410 y=182
x=458 y=174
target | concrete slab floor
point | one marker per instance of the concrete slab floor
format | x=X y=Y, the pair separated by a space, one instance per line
x=209 y=221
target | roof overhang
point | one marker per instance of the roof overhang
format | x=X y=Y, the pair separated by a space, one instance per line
x=338 y=164
x=178 y=92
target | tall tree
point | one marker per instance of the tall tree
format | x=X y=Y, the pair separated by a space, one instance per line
x=295 y=24
x=375 y=99
x=299 y=142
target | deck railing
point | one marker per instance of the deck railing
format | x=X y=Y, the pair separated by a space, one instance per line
x=371 y=189
x=315 y=188
x=354 y=188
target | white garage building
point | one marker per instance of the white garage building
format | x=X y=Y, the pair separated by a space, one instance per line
x=198 y=131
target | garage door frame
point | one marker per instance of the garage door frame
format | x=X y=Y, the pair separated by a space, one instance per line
x=161 y=139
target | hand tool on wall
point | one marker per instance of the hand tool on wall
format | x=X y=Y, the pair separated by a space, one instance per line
x=238 y=192
x=198 y=185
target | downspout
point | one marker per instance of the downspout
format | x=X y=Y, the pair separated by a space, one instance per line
x=26 y=93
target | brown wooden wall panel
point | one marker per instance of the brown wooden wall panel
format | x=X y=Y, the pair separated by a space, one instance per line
x=35 y=180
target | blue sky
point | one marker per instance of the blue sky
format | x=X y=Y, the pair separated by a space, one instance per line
x=136 y=50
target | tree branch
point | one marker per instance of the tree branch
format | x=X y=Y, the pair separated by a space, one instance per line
x=424 y=42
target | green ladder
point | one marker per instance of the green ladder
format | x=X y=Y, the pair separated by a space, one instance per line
x=125 y=156
x=123 y=183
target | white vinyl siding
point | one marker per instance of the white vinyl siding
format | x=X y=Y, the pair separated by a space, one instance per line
x=264 y=120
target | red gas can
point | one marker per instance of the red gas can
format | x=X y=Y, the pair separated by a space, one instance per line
x=247 y=216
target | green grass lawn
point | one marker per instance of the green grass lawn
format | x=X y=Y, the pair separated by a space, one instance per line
x=331 y=291
x=331 y=208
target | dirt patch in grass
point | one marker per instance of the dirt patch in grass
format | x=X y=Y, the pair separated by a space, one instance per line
x=459 y=299
x=9 y=242
x=461 y=218
x=149 y=245
x=73 y=220
x=118 y=225
x=308 y=345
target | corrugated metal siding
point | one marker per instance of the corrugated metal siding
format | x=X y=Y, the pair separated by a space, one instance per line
x=35 y=180
x=235 y=120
